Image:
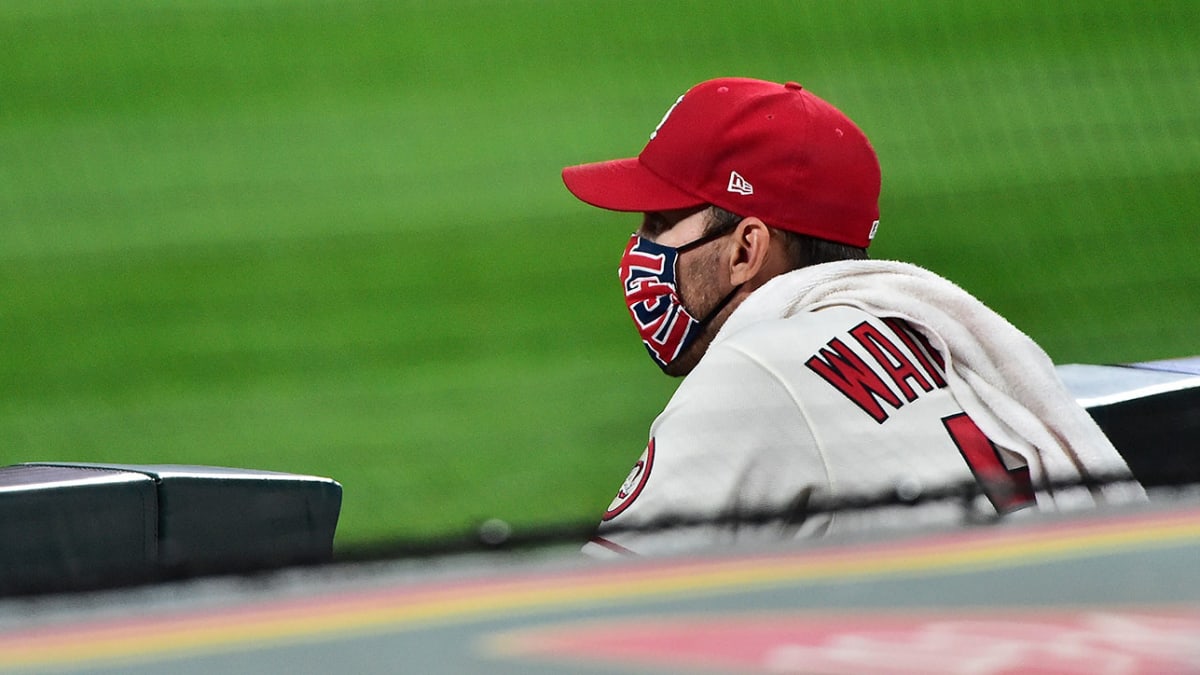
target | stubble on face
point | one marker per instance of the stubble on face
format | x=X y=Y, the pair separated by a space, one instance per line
x=700 y=293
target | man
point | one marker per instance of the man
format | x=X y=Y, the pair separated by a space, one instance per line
x=813 y=374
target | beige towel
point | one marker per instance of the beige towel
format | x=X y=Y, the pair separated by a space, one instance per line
x=1004 y=381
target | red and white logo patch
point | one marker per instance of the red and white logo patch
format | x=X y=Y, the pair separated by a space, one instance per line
x=633 y=485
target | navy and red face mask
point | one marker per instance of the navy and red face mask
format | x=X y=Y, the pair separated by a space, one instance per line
x=648 y=274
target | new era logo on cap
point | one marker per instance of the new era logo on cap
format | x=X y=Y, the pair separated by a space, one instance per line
x=739 y=185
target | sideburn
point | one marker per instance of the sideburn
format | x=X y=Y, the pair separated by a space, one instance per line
x=708 y=302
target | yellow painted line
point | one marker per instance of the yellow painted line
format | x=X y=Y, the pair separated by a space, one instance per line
x=399 y=607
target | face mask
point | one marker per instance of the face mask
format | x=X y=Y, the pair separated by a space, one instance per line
x=648 y=274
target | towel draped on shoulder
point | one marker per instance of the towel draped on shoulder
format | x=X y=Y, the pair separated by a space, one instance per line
x=1002 y=379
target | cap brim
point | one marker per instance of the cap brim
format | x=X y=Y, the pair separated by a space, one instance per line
x=625 y=185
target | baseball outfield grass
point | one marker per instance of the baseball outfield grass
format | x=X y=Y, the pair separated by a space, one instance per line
x=330 y=237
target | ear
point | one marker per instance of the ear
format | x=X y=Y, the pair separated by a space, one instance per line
x=749 y=256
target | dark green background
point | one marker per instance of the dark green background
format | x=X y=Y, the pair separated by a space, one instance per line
x=330 y=237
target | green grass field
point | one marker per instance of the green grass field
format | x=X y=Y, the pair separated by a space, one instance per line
x=331 y=238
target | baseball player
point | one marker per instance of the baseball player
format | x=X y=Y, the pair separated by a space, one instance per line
x=812 y=373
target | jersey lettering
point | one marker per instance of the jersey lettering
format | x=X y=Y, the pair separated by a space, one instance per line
x=1007 y=489
x=867 y=386
x=838 y=365
x=919 y=346
x=894 y=362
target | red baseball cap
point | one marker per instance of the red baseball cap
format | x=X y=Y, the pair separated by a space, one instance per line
x=755 y=148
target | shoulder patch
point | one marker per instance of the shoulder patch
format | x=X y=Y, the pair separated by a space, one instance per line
x=632 y=487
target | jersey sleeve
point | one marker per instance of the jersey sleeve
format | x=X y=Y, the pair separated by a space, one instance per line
x=732 y=442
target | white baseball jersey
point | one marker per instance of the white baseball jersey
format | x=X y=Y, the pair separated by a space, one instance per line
x=822 y=404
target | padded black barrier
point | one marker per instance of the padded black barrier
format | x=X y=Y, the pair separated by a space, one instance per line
x=1150 y=411
x=75 y=528
x=69 y=526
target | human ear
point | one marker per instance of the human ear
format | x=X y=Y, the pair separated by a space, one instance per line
x=751 y=240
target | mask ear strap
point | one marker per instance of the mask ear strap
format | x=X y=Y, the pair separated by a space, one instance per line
x=720 y=305
x=701 y=241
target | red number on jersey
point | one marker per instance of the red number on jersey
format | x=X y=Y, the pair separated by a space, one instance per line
x=1007 y=489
